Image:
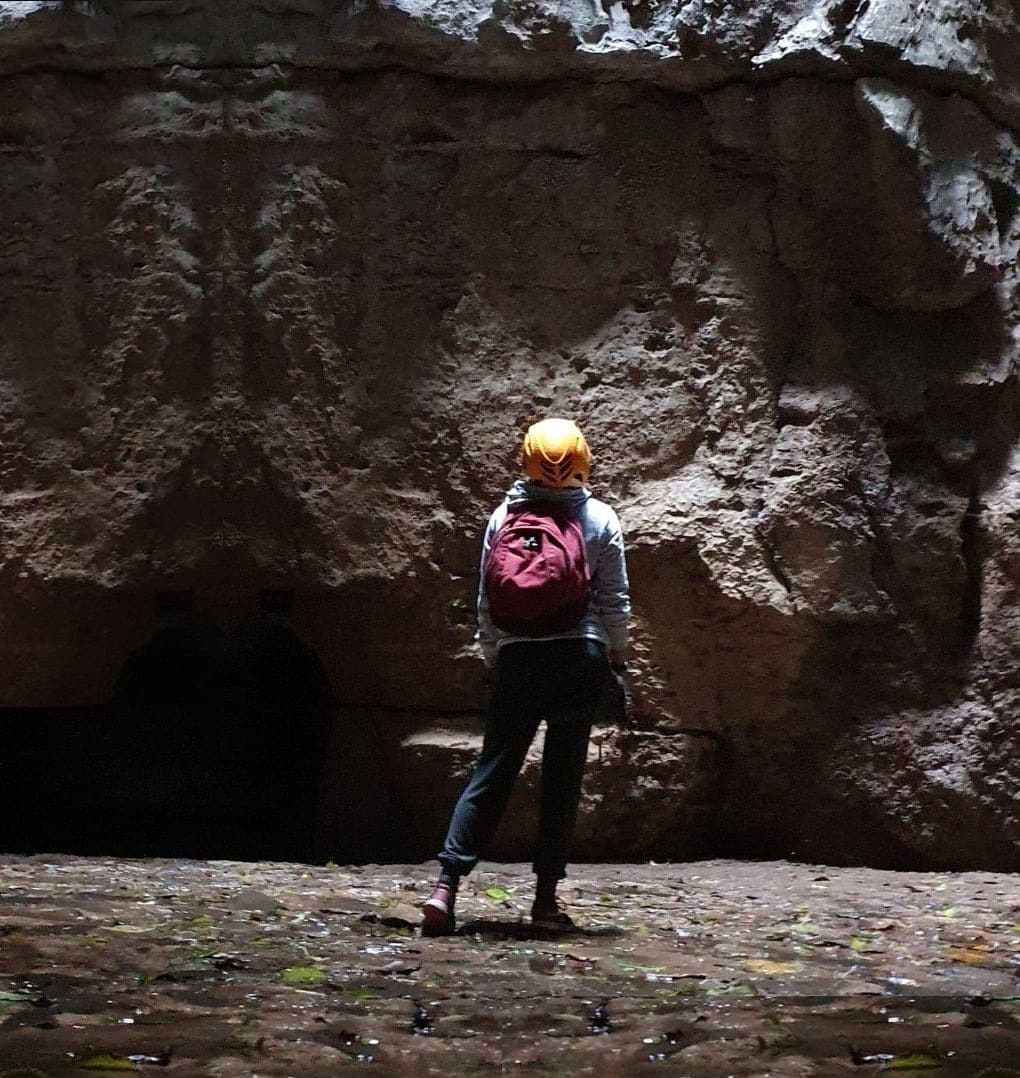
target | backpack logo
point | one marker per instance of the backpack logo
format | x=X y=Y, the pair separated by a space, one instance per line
x=536 y=573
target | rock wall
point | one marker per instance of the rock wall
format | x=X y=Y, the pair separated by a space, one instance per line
x=282 y=281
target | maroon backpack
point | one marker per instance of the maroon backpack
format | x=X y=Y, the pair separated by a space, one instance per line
x=536 y=572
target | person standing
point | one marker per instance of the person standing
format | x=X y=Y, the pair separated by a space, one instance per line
x=553 y=621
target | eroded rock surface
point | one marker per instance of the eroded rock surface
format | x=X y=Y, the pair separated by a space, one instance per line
x=713 y=968
x=282 y=282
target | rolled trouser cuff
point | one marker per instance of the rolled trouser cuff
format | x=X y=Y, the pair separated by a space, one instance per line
x=456 y=866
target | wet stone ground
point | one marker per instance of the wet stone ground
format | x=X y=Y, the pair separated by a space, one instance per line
x=232 y=969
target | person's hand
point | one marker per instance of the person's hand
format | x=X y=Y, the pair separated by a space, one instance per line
x=626 y=705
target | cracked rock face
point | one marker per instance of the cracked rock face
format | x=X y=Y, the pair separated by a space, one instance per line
x=281 y=283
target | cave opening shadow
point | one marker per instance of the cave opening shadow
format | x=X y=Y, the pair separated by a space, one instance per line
x=212 y=748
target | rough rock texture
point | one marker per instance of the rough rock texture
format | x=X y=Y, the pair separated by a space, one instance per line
x=281 y=281
x=745 y=969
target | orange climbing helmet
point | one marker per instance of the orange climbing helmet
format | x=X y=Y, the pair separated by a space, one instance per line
x=555 y=454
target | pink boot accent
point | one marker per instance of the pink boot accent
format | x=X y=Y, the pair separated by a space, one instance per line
x=437 y=912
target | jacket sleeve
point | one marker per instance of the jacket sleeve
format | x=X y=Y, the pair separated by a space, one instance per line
x=612 y=589
x=487 y=634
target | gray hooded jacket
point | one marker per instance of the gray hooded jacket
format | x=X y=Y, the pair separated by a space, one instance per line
x=608 y=616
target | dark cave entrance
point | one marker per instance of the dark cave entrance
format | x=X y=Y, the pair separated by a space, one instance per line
x=211 y=747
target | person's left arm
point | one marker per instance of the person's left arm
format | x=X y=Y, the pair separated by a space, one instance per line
x=487 y=634
x=612 y=590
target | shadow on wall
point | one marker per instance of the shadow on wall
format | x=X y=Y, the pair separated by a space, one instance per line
x=211 y=747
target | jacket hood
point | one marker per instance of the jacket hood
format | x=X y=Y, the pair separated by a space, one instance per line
x=525 y=491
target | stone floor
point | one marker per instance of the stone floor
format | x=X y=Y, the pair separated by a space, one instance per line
x=232 y=969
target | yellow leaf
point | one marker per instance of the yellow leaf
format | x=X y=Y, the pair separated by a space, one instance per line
x=768 y=965
x=104 y=1061
x=971 y=956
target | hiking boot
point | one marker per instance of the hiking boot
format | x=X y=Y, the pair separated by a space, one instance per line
x=437 y=912
x=551 y=918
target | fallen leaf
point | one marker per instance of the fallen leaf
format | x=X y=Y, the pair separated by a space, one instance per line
x=498 y=894
x=916 y=1061
x=768 y=965
x=971 y=956
x=104 y=1061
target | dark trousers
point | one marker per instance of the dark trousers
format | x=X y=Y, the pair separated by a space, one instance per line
x=564 y=682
